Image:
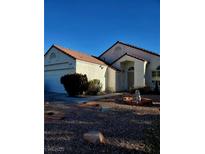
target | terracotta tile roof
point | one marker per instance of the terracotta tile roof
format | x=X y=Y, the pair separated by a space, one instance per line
x=79 y=55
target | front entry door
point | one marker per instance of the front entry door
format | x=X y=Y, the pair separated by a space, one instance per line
x=130 y=79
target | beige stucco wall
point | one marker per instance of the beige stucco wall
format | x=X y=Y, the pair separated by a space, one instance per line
x=139 y=71
x=119 y=49
x=111 y=79
x=92 y=70
x=139 y=75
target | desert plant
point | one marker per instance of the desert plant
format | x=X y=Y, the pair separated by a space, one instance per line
x=74 y=84
x=94 y=86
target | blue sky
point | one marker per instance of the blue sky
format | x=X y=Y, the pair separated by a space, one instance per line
x=92 y=26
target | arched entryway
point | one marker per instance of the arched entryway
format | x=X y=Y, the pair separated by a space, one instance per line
x=127 y=74
x=130 y=77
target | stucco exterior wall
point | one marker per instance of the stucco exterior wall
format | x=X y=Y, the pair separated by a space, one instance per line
x=139 y=75
x=60 y=58
x=58 y=66
x=55 y=67
x=139 y=71
x=111 y=79
x=93 y=71
x=119 y=49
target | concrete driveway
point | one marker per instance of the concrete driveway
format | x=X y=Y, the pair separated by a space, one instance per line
x=64 y=98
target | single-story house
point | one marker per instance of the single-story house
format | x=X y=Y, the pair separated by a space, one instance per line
x=119 y=68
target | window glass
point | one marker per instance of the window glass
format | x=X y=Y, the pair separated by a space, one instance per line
x=158 y=73
x=153 y=73
x=131 y=69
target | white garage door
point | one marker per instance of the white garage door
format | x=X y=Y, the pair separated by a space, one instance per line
x=52 y=80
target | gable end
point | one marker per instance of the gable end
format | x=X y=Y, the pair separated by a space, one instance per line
x=53 y=46
x=132 y=46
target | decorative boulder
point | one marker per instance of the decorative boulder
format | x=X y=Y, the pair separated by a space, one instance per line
x=94 y=137
x=54 y=115
x=104 y=109
x=90 y=104
x=127 y=98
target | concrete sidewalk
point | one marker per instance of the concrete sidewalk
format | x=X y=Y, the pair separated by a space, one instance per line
x=64 y=98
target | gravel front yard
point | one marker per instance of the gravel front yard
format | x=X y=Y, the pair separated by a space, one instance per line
x=125 y=128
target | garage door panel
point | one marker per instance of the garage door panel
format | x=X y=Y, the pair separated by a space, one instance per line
x=52 y=80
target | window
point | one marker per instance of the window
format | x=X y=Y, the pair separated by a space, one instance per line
x=131 y=69
x=155 y=74
x=158 y=73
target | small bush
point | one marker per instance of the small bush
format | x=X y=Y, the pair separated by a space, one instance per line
x=94 y=86
x=109 y=90
x=74 y=84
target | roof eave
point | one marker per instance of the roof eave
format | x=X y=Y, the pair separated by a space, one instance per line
x=132 y=46
x=125 y=55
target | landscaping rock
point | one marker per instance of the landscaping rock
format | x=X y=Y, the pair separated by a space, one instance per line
x=122 y=126
x=54 y=115
x=50 y=113
x=127 y=98
x=104 y=109
x=94 y=137
x=89 y=104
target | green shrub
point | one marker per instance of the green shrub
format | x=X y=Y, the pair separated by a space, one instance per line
x=74 y=84
x=94 y=86
x=109 y=90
